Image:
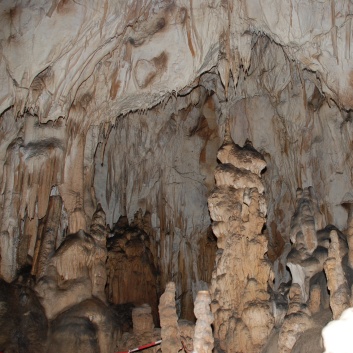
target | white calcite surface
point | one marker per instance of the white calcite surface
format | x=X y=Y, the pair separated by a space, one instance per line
x=337 y=335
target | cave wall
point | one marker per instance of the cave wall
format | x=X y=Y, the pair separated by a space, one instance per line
x=124 y=104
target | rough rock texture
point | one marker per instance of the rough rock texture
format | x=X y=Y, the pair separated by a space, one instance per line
x=187 y=330
x=123 y=103
x=23 y=325
x=336 y=281
x=170 y=333
x=76 y=271
x=164 y=169
x=306 y=259
x=131 y=269
x=46 y=240
x=88 y=326
x=240 y=301
x=297 y=320
x=203 y=337
x=144 y=331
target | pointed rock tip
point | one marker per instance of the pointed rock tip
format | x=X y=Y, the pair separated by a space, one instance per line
x=227 y=134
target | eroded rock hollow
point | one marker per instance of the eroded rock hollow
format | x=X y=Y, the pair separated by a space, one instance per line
x=177 y=173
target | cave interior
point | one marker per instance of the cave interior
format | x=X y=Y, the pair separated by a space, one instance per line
x=176 y=170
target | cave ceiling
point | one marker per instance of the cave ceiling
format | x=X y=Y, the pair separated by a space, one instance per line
x=96 y=60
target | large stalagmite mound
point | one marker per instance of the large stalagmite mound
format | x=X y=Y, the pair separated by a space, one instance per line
x=126 y=163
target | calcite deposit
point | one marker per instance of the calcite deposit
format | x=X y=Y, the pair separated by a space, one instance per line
x=239 y=289
x=203 y=336
x=144 y=331
x=336 y=281
x=170 y=333
x=76 y=271
x=131 y=269
x=306 y=258
x=204 y=143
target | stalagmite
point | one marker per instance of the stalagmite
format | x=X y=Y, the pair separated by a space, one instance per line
x=315 y=299
x=203 y=337
x=144 y=331
x=306 y=258
x=297 y=320
x=169 y=321
x=240 y=301
x=76 y=271
x=336 y=281
x=142 y=320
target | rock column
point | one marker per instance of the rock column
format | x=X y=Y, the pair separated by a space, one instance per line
x=336 y=281
x=240 y=301
x=169 y=320
x=203 y=337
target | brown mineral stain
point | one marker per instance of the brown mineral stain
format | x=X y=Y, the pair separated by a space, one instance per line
x=149 y=79
x=65 y=6
x=12 y=13
x=188 y=32
x=210 y=103
x=182 y=15
x=202 y=158
x=160 y=24
x=114 y=88
x=276 y=244
x=160 y=61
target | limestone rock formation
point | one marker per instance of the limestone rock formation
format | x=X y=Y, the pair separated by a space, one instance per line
x=23 y=325
x=240 y=301
x=297 y=320
x=144 y=331
x=132 y=273
x=76 y=271
x=88 y=326
x=336 y=281
x=123 y=104
x=306 y=258
x=187 y=330
x=170 y=333
x=203 y=337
